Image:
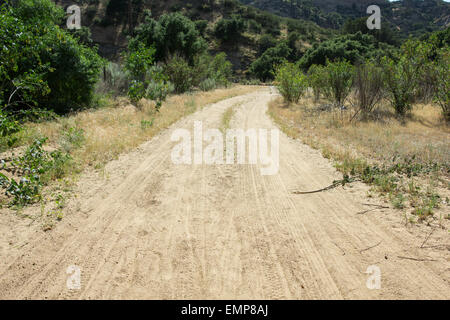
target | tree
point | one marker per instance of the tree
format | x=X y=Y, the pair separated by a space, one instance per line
x=339 y=76
x=229 y=29
x=263 y=67
x=41 y=64
x=290 y=82
x=172 y=34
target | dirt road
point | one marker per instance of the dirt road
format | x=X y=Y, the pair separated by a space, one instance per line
x=151 y=229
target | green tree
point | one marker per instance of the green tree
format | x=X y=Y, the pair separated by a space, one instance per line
x=41 y=64
x=264 y=66
x=172 y=34
x=290 y=82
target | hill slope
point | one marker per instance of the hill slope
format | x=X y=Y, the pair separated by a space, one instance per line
x=410 y=17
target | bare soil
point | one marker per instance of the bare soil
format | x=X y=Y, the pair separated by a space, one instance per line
x=149 y=229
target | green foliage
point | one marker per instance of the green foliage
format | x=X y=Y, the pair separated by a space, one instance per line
x=442 y=93
x=290 y=82
x=229 y=29
x=263 y=67
x=172 y=34
x=41 y=64
x=385 y=34
x=208 y=72
x=353 y=48
x=179 y=73
x=317 y=80
x=138 y=60
x=35 y=168
x=339 y=80
x=402 y=76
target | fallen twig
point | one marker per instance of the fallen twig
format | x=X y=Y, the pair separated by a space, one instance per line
x=335 y=184
x=377 y=207
x=415 y=259
x=426 y=239
x=361 y=251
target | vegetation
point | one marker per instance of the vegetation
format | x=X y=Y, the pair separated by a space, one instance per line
x=42 y=65
x=291 y=82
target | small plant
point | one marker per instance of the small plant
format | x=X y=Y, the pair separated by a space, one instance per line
x=35 y=168
x=442 y=94
x=145 y=124
x=339 y=79
x=290 y=82
x=317 y=80
x=369 y=90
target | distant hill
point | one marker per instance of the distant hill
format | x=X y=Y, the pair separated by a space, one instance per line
x=410 y=17
x=111 y=21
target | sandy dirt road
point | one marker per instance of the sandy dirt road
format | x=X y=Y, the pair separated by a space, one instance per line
x=155 y=230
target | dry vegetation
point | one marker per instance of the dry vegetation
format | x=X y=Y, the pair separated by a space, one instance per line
x=416 y=151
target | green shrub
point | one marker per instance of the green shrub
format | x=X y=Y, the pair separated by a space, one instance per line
x=41 y=64
x=317 y=80
x=290 y=82
x=263 y=67
x=207 y=84
x=179 y=73
x=35 y=168
x=339 y=76
x=442 y=93
x=229 y=29
x=172 y=34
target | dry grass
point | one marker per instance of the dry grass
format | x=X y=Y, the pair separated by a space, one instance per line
x=121 y=127
x=422 y=139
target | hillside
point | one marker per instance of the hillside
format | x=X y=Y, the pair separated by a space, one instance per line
x=111 y=21
x=410 y=17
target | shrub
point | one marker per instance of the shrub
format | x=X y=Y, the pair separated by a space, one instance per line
x=179 y=73
x=339 y=76
x=207 y=84
x=290 y=82
x=229 y=29
x=317 y=80
x=114 y=80
x=172 y=34
x=41 y=64
x=442 y=93
x=263 y=67
x=369 y=89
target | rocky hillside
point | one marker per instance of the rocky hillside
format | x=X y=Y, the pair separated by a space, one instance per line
x=109 y=22
x=410 y=17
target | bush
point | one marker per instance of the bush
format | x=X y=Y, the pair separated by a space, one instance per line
x=229 y=29
x=179 y=73
x=339 y=76
x=353 y=48
x=172 y=34
x=114 y=80
x=207 y=84
x=263 y=67
x=41 y=64
x=442 y=93
x=290 y=82
x=369 y=89
x=317 y=80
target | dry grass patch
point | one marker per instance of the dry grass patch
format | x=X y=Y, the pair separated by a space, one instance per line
x=407 y=161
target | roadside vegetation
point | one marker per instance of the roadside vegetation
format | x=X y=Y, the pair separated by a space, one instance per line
x=383 y=120
x=64 y=109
